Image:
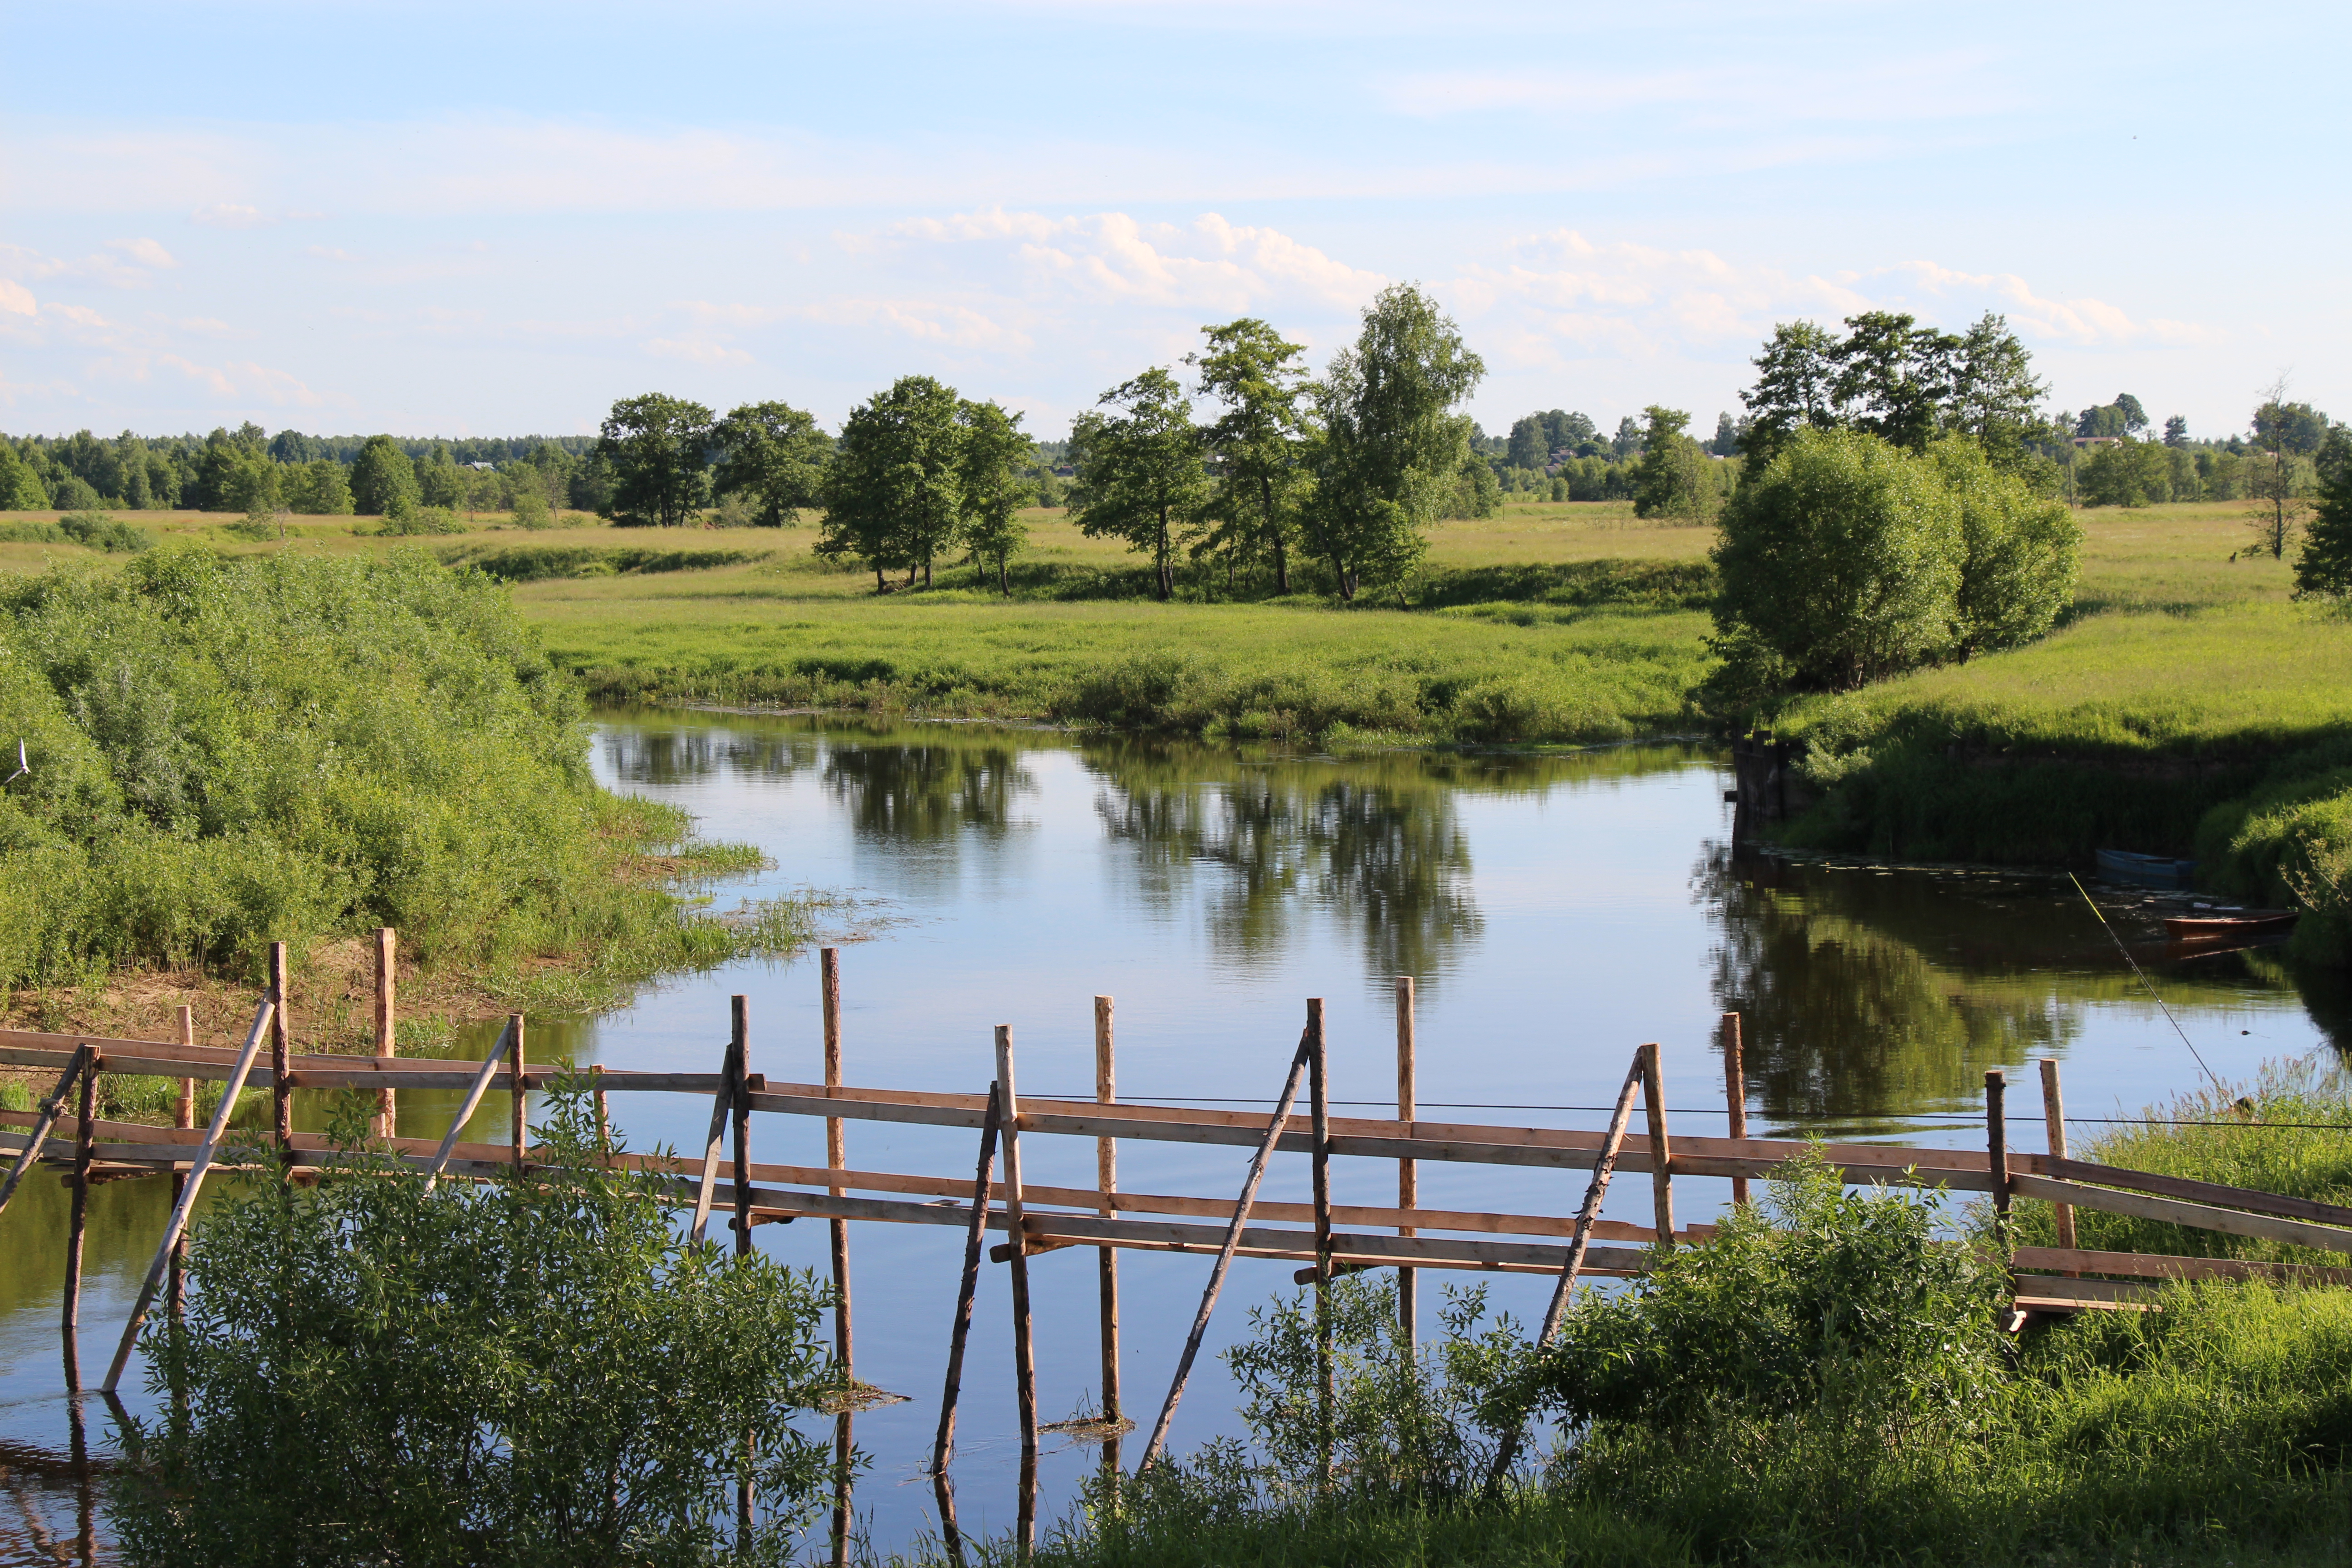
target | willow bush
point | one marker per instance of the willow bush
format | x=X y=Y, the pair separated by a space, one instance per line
x=541 y=1374
x=223 y=752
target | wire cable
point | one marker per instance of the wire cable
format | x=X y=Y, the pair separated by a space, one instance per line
x=2219 y=1087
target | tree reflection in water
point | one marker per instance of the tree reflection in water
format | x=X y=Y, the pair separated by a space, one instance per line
x=1868 y=994
x=652 y=754
x=1378 y=846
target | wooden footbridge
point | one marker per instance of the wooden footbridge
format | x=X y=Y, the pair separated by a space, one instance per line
x=1326 y=1237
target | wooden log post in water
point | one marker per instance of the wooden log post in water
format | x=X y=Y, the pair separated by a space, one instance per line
x=281 y=1092
x=519 y=1107
x=86 y=1112
x=1997 y=1146
x=739 y=1093
x=1662 y=1179
x=177 y=1225
x=2054 y=1116
x=475 y=1091
x=1735 y=1094
x=1107 y=1257
x=959 y=1335
x=837 y=1158
x=1319 y=1101
x=183 y=1115
x=387 y=1026
x=1024 y=1350
x=1408 y=1171
x=46 y=1118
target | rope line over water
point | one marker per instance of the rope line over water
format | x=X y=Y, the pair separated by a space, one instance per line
x=1966 y=1118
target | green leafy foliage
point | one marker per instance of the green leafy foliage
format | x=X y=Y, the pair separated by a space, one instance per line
x=1141 y=474
x=1391 y=451
x=1842 y=558
x=538 y=1372
x=225 y=752
x=2323 y=569
x=657 y=448
x=891 y=495
x=993 y=486
x=773 y=455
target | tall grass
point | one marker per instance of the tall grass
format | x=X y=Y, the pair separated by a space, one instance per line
x=224 y=752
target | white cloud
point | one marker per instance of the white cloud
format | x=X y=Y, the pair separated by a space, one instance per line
x=146 y=251
x=1209 y=264
x=2087 y=322
x=1929 y=87
x=17 y=300
x=328 y=253
x=1560 y=297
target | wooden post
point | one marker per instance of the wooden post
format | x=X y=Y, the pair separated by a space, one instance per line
x=487 y=1070
x=1318 y=1102
x=1603 y=1166
x=1107 y=1257
x=2053 y=1116
x=1735 y=1093
x=603 y=1111
x=1997 y=1145
x=1662 y=1180
x=183 y=1115
x=1225 y=1256
x=85 y=1111
x=1408 y=1171
x=45 y=1119
x=282 y=1093
x=960 y=1334
x=837 y=1158
x=739 y=1093
x=518 y=1109
x=387 y=1040
x=1025 y=1356
x=178 y=1222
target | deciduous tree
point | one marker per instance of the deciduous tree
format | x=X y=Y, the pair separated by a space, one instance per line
x=1673 y=478
x=1391 y=449
x=1140 y=475
x=892 y=492
x=658 y=449
x=1842 y=558
x=773 y=455
x=1258 y=444
x=992 y=485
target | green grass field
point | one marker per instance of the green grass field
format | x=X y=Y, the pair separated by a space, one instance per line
x=1552 y=621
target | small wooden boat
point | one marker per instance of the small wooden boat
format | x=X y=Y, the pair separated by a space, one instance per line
x=2146 y=870
x=2223 y=923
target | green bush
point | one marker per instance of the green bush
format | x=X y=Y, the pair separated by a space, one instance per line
x=2291 y=844
x=538 y=1372
x=1820 y=1382
x=417 y=520
x=100 y=531
x=1848 y=560
x=228 y=751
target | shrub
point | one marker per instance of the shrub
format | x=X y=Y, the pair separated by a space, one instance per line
x=420 y=520
x=534 y=1372
x=1844 y=557
x=227 y=752
x=100 y=531
x=1848 y=560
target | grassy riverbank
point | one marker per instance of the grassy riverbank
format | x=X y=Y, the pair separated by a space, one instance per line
x=1822 y=1383
x=221 y=752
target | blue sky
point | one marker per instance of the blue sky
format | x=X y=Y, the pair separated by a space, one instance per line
x=496 y=219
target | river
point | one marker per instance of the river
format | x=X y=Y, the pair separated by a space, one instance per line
x=1556 y=911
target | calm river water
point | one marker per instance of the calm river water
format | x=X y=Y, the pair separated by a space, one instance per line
x=1556 y=911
